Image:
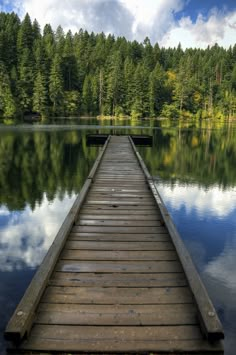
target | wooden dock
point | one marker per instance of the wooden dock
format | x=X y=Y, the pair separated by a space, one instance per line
x=117 y=278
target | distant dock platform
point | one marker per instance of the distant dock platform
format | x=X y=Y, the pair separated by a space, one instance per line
x=117 y=278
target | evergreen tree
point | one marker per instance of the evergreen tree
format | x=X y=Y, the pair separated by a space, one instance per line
x=40 y=95
x=56 y=92
x=115 y=84
x=129 y=70
x=157 y=94
x=25 y=35
x=7 y=103
x=87 y=96
x=26 y=80
x=140 y=106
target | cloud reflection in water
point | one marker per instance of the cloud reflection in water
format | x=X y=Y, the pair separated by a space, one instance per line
x=26 y=236
x=213 y=201
x=206 y=219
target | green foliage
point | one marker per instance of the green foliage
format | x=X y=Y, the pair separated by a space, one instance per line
x=90 y=74
x=71 y=101
x=170 y=111
x=40 y=98
x=35 y=163
x=7 y=103
x=56 y=91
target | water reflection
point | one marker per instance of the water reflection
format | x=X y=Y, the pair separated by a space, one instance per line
x=213 y=201
x=205 y=157
x=24 y=238
x=206 y=220
x=36 y=163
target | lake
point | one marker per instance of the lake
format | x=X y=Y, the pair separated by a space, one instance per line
x=43 y=167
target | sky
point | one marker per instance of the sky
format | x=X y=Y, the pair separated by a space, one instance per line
x=193 y=23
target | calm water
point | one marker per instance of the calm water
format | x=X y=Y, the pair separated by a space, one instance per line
x=43 y=168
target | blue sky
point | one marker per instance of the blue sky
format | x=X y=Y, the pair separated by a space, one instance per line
x=193 y=23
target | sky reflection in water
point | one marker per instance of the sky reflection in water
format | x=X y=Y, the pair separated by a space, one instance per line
x=206 y=220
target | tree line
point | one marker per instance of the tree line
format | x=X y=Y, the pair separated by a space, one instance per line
x=53 y=73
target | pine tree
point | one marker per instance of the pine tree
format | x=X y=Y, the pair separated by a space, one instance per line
x=25 y=35
x=69 y=64
x=40 y=95
x=115 y=84
x=26 y=80
x=157 y=95
x=7 y=103
x=129 y=70
x=87 y=101
x=141 y=102
x=56 y=92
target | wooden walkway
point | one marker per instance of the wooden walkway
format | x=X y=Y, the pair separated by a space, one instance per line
x=115 y=282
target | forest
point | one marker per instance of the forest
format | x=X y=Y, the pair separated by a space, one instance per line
x=56 y=74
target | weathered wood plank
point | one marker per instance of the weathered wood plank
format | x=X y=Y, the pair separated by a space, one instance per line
x=117 y=229
x=118 y=202
x=76 y=314
x=123 y=217
x=117 y=223
x=104 y=195
x=132 y=280
x=107 y=210
x=116 y=237
x=139 y=209
x=117 y=333
x=118 y=266
x=118 y=255
x=113 y=345
x=114 y=295
x=106 y=245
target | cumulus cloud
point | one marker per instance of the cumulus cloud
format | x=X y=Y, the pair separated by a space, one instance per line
x=27 y=236
x=134 y=19
x=218 y=27
x=213 y=202
x=153 y=18
x=4 y=211
x=93 y=15
x=222 y=268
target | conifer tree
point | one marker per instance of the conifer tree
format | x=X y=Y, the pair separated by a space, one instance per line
x=40 y=95
x=7 y=103
x=56 y=92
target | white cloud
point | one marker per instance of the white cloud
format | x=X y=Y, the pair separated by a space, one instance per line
x=152 y=18
x=28 y=235
x=109 y=16
x=4 y=211
x=217 y=28
x=223 y=267
x=134 y=19
x=212 y=202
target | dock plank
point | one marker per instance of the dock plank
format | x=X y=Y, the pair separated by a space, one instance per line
x=77 y=314
x=118 y=266
x=132 y=280
x=111 y=245
x=164 y=255
x=114 y=295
